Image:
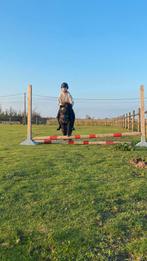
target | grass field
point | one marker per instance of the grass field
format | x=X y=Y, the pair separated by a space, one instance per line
x=70 y=202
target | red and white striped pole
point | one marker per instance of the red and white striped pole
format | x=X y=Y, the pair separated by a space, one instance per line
x=89 y=136
x=86 y=142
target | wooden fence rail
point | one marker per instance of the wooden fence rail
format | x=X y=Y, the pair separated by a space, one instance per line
x=130 y=121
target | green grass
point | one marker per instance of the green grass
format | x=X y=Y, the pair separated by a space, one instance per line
x=70 y=202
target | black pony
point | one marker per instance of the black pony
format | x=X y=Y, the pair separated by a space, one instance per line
x=66 y=118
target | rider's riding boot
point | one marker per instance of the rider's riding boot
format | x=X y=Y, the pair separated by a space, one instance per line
x=59 y=127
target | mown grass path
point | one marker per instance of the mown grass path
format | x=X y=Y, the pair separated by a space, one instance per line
x=70 y=202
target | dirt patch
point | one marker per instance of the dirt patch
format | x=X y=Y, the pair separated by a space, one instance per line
x=139 y=163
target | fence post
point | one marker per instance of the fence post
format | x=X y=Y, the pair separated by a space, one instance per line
x=138 y=119
x=29 y=141
x=123 y=121
x=129 y=120
x=126 y=121
x=133 y=120
x=143 y=142
x=25 y=118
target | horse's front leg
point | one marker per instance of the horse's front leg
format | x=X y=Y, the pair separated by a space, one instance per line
x=64 y=129
x=69 y=129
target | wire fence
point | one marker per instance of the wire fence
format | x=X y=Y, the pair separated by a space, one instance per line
x=86 y=108
x=13 y=108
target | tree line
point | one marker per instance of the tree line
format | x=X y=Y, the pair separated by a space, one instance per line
x=11 y=115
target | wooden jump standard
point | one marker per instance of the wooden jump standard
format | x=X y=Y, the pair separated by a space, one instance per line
x=50 y=139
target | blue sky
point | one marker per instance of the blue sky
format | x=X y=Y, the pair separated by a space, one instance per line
x=98 y=46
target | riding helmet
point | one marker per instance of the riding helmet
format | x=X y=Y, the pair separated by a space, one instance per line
x=64 y=85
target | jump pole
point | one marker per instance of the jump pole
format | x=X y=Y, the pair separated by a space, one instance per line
x=29 y=140
x=86 y=142
x=89 y=136
x=143 y=142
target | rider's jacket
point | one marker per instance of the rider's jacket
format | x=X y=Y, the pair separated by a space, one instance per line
x=65 y=97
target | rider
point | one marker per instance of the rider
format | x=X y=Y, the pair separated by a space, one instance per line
x=65 y=98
